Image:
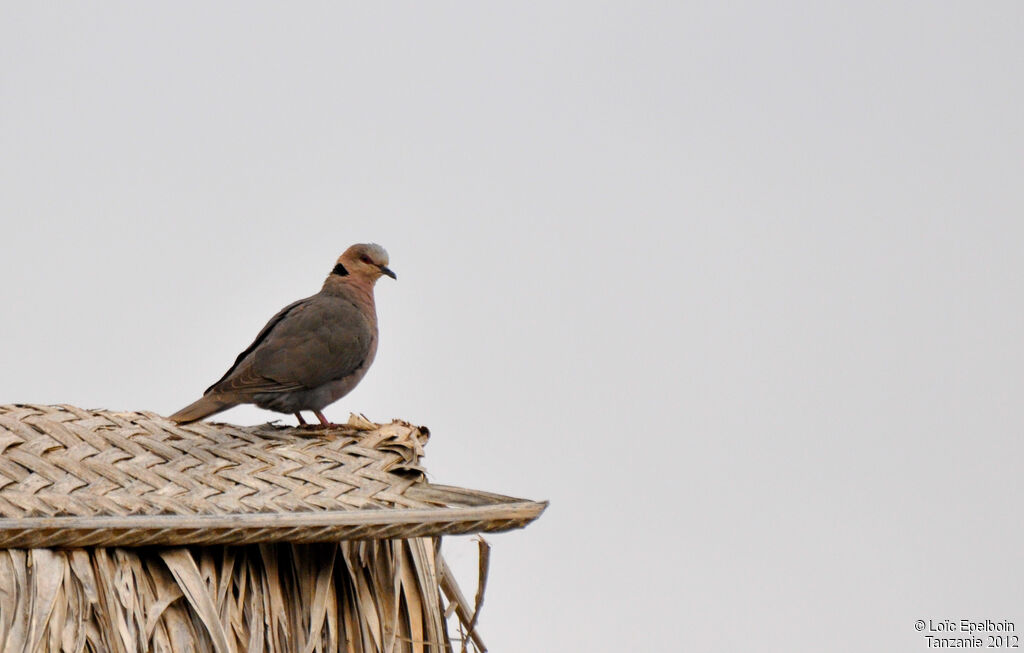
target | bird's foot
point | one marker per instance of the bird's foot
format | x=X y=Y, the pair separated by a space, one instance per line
x=322 y=427
x=319 y=416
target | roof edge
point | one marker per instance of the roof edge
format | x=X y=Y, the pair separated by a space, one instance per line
x=248 y=528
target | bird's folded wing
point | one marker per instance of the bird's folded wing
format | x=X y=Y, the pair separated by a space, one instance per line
x=235 y=369
x=309 y=343
x=324 y=340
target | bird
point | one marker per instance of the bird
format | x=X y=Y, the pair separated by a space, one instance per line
x=313 y=352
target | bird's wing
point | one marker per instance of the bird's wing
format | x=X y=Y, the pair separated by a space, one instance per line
x=240 y=376
x=312 y=342
x=325 y=340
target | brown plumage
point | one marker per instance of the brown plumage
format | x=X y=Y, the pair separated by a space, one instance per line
x=313 y=352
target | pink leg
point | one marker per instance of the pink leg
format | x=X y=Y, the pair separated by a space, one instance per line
x=302 y=422
x=323 y=420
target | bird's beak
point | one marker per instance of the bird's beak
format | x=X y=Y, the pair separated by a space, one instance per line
x=386 y=270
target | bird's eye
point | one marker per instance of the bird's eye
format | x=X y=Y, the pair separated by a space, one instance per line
x=365 y=259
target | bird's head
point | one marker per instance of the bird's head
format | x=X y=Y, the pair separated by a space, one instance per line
x=366 y=261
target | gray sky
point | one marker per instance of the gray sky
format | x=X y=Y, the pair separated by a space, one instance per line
x=736 y=286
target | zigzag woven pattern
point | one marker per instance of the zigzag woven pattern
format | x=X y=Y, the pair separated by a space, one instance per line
x=71 y=476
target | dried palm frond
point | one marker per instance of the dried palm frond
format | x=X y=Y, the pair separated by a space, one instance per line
x=383 y=595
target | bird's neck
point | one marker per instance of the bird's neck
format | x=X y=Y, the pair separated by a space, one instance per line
x=355 y=289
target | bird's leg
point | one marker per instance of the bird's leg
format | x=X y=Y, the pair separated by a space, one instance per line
x=298 y=416
x=324 y=423
x=323 y=420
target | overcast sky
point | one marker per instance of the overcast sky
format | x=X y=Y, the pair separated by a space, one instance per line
x=736 y=286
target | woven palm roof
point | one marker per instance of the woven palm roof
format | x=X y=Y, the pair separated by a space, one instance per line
x=75 y=477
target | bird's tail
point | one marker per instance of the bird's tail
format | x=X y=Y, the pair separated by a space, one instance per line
x=204 y=407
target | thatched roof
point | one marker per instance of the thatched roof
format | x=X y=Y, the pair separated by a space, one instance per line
x=257 y=499
x=74 y=477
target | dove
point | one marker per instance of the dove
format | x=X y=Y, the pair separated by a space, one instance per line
x=313 y=352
